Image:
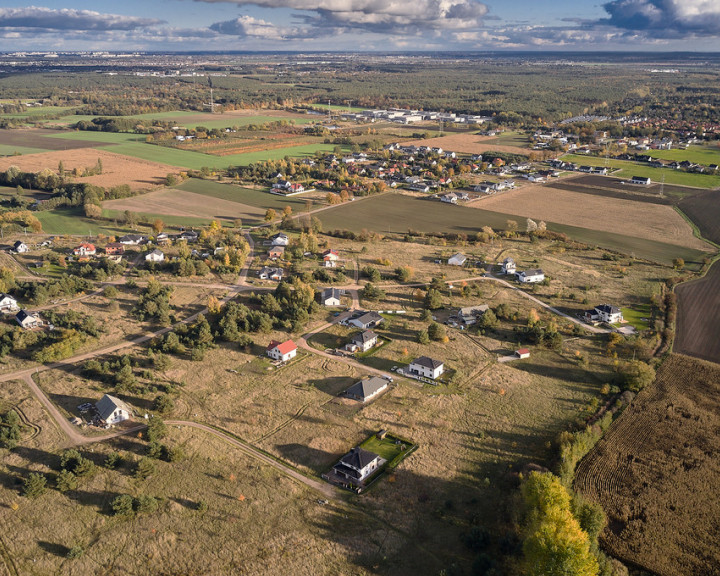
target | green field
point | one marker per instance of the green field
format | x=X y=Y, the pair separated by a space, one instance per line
x=40 y=111
x=705 y=155
x=256 y=198
x=510 y=139
x=394 y=213
x=12 y=150
x=134 y=145
x=73 y=221
x=176 y=222
x=627 y=169
x=638 y=316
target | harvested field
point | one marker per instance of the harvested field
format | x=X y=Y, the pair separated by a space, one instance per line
x=616 y=188
x=698 y=316
x=171 y=202
x=657 y=468
x=615 y=215
x=468 y=143
x=117 y=169
x=38 y=138
x=704 y=211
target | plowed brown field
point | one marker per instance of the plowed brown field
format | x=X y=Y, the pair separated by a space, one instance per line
x=117 y=169
x=657 y=473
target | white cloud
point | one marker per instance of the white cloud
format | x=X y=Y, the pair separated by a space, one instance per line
x=69 y=19
x=666 y=18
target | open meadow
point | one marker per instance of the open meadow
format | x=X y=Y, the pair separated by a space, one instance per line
x=469 y=143
x=657 y=467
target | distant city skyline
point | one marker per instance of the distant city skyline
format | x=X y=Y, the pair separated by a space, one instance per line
x=362 y=25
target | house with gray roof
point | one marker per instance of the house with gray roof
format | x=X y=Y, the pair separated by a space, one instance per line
x=330 y=297
x=367 y=389
x=365 y=320
x=357 y=466
x=112 y=410
x=426 y=366
x=362 y=341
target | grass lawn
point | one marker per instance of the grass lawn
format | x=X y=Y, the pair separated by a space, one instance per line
x=12 y=150
x=385 y=448
x=170 y=221
x=73 y=221
x=510 y=139
x=627 y=169
x=638 y=316
x=705 y=155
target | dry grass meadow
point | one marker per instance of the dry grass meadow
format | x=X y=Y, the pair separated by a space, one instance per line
x=615 y=215
x=117 y=168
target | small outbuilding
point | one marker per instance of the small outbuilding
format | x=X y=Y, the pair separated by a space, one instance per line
x=457 y=259
x=522 y=353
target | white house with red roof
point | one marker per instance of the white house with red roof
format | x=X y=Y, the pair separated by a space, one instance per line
x=282 y=351
x=85 y=249
x=330 y=258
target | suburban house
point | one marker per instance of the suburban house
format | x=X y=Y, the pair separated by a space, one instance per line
x=85 y=249
x=367 y=389
x=276 y=252
x=155 y=256
x=330 y=258
x=7 y=303
x=28 y=320
x=132 y=239
x=282 y=351
x=268 y=273
x=470 y=314
x=450 y=198
x=531 y=276
x=20 y=247
x=508 y=266
x=640 y=180
x=522 y=353
x=604 y=313
x=114 y=248
x=330 y=297
x=362 y=341
x=457 y=260
x=280 y=239
x=428 y=367
x=366 y=320
x=162 y=238
x=112 y=410
x=357 y=466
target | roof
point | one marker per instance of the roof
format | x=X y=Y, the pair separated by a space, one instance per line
x=331 y=293
x=282 y=347
x=87 y=246
x=108 y=404
x=114 y=245
x=367 y=387
x=509 y=261
x=277 y=249
x=3 y=296
x=520 y=351
x=428 y=362
x=369 y=317
x=533 y=272
x=19 y=243
x=365 y=336
x=24 y=315
x=608 y=309
x=155 y=252
x=460 y=257
x=330 y=252
x=358 y=458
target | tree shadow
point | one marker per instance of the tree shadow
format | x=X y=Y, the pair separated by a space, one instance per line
x=59 y=550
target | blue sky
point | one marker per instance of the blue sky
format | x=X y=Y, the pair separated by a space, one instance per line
x=382 y=25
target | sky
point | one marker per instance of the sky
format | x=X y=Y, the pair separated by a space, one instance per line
x=361 y=25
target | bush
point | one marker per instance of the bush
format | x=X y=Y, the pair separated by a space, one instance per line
x=75 y=552
x=423 y=337
x=113 y=460
x=146 y=504
x=122 y=505
x=66 y=481
x=636 y=375
x=145 y=468
x=163 y=404
x=34 y=485
x=437 y=332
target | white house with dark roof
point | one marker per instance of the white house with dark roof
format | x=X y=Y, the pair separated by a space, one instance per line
x=269 y=273
x=155 y=256
x=508 y=266
x=470 y=314
x=280 y=239
x=604 y=313
x=112 y=410
x=367 y=389
x=426 y=366
x=640 y=180
x=20 y=247
x=357 y=465
x=530 y=276
x=365 y=320
x=362 y=341
x=28 y=320
x=8 y=303
x=330 y=297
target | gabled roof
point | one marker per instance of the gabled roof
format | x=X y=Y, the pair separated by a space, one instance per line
x=369 y=317
x=358 y=458
x=330 y=252
x=3 y=296
x=532 y=272
x=19 y=243
x=367 y=387
x=608 y=309
x=331 y=293
x=108 y=404
x=364 y=337
x=24 y=315
x=428 y=362
x=282 y=347
x=459 y=257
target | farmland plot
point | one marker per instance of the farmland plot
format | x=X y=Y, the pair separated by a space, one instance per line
x=698 y=317
x=657 y=467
